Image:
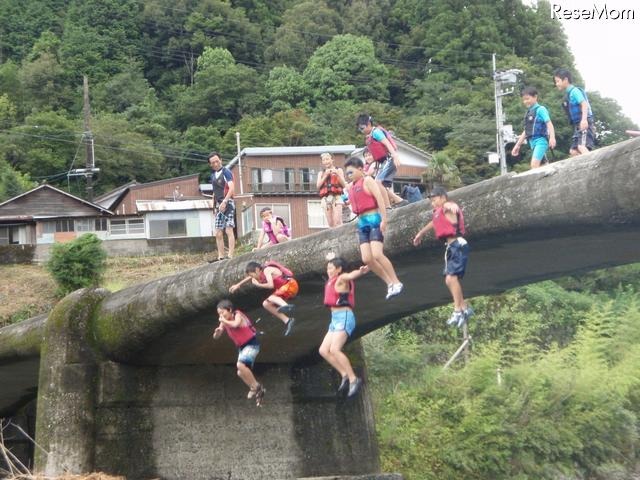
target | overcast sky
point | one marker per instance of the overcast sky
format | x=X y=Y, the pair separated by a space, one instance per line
x=607 y=52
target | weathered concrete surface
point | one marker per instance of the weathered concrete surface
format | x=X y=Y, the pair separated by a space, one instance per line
x=66 y=390
x=379 y=476
x=571 y=216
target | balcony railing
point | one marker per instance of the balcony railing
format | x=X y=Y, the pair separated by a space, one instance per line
x=291 y=188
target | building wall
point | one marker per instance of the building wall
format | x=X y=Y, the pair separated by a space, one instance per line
x=189 y=187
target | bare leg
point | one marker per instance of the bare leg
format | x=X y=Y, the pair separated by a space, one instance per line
x=382 y=260
x=393 y=196
x=272 y=307
x=282 y=238
x=220 y=243
x=246 y=375
x=454 y=286
x=369 y=260
x=337 y=214
x=328 y=213
x=232 y=241
x=331 y=351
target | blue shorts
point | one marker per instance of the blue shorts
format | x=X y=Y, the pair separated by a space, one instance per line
x=248 y=352
x=455 y=257
x=539 y=147
x=387 y=172
x=585 y=138
x=342 y=321
x=369 y=228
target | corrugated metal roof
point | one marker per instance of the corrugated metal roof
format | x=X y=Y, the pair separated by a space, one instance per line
x=163 y=205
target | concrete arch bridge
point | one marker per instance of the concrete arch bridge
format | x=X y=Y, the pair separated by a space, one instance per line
x=131 y=382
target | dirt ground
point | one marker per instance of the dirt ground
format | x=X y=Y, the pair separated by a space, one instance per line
x=29 y=290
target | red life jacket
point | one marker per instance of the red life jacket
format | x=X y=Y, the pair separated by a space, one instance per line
x=444 y=228
x=331 y=186
x=280 y=280
x=243 y=334
x=331 y=297
x=360 y=199
x=377 y=149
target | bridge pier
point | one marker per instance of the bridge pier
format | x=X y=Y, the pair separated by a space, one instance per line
x=191 y=421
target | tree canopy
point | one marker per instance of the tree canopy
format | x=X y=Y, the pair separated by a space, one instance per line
x=171 y=79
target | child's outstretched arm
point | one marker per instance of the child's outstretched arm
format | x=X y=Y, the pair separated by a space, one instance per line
x=236 y=286
x=363 y=270
x=418 y=238
x=515 y=151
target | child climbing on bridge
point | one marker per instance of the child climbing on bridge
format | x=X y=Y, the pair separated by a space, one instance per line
x=241 y=331
x=538 y=128
x=448 y=224
x=278 y=278
x=367 y=202
x=339 y=296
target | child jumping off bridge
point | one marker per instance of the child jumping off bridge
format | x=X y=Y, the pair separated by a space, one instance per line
x=276 y=277
x=448 y=224
x=339 y=296
x=367 y=202
x=241 y=331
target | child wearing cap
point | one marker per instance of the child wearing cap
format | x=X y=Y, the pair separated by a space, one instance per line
x=448 y=224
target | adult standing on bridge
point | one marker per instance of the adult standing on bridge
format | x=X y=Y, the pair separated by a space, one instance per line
x=448 y=224
x=243 y=334
x=578 y=109
x=223 y=204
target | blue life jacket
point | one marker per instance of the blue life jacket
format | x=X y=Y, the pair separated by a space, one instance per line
x=574 y=110
x=533 y=127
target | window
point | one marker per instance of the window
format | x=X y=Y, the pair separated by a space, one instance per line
x=247 y=220
x=118 y=227
x=167 y=228
x=289 y=178
x=130 y=225
x=4 y=236
x=84 y=225
x=135 y=225
x=317 y=218
x=305 y=179
x=101 y=224
x=178 y=228
x=279 y=210
x=49 y=227
x=65 y=225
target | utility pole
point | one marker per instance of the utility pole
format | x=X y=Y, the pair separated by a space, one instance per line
x=504 y=133
x=90 y=164
x=239 y=162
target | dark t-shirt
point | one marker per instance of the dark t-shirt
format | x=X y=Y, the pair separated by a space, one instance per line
x=219 y=180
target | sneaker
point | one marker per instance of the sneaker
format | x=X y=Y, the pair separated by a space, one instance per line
x=252 y=392
x=354 y=387
x=394 y=289
x=456 y=318
x=466 y=314
x=344 y=384
x=260 y=395
x=286 y=309
x=287 y=331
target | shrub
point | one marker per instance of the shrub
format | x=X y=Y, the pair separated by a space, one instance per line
x=77 y=264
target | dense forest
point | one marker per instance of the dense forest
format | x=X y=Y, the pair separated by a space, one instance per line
x=171 y=80
x=550 y=392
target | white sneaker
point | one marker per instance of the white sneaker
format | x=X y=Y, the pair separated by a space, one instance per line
x=394 y=289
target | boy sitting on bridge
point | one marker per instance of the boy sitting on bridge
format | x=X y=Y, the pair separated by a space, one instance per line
x=278 y=278
x=243 y=334
x=339 y=296
x=367 y=202
x=448 y=224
